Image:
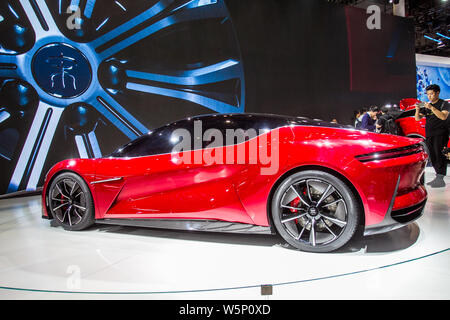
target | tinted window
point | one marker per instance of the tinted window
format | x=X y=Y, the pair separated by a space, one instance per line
x=239 y=128
x=202 y=131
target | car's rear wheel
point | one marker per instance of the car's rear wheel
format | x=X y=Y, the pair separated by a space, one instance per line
x=70 y=202
x=315 y=211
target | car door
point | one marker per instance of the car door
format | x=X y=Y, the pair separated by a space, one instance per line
x=209 y=190
x=135 y=181
x=203 y=189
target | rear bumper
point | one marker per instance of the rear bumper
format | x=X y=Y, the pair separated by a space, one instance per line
x=403 y=210
x=396 y=219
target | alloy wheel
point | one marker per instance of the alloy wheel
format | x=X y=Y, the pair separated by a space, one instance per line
x=315 y=211
x=70 y=202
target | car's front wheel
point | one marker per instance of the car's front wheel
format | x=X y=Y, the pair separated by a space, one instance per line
x=315 y=211
x=70 y=202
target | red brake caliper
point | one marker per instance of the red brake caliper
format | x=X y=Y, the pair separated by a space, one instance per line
x=294 y=203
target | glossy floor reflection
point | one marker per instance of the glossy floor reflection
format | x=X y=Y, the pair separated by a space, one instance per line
x=38 y=261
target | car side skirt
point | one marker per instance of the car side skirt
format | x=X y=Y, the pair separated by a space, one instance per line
x=190 y=225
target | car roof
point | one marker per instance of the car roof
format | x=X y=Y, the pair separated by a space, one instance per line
x=290 y=120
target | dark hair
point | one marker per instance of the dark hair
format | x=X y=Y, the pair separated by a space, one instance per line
x=373 y=109
x=433 y=87
x=384 y=109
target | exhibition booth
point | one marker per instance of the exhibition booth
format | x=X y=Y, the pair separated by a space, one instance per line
x=268 y=191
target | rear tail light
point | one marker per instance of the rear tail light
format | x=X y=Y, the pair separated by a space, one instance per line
x=392 y=153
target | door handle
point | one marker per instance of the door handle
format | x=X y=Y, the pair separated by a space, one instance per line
x=107 y=180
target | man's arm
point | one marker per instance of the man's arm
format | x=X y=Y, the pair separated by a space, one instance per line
x=438 y=113
x=418 y=116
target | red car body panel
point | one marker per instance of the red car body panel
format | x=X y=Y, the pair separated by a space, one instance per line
x=163 y=187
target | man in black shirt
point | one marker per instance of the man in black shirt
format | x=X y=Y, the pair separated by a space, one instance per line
x=436 y=131
x=386 y=122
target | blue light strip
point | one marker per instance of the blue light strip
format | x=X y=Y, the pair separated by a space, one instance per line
x=102 y=24
x=13 y=12
x=195 y=4
x=120 y=5
x=441 y=35
x=432 y=39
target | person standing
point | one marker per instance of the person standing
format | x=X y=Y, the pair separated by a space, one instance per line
x=369 y=119
x=436 y=132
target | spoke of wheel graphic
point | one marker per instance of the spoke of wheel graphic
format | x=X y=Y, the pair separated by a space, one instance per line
x=312 y=234
x=34 y=152
x=87 y=145
x=118 y=116
x=90 y=4
x=130 y=24
x=299 y=196
x=222 y=71
x=326 y=194
x=8 y=66
x=184 y=14
x=293 y=218
x=40 y=18
x=212 y=104
x=338 y=222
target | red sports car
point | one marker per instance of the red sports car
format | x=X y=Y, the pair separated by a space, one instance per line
x=315 y=183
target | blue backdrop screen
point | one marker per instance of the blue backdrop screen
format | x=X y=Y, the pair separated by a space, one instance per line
x=427 y=75
x=79 y=78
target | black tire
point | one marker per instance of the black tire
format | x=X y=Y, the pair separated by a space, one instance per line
x=315 y=211
x=70 y=202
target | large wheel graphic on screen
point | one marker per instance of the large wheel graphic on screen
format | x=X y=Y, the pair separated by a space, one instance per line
x=125 y=65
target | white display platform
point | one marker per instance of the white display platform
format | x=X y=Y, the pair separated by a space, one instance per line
x=38 y=261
